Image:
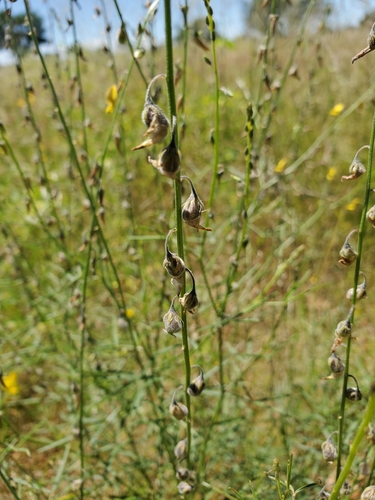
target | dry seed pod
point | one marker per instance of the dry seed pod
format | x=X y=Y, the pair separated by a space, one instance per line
x=182 y=473
x=172 y=321
x=174 y=265
x=154 y=118
x=356 y=168
x=361 y=290
x=169 y=161
x=323 y=494
x=336 y=366
x=345 y=489
x=178 y=410
x=198 y=384
x=180 y=449
x=329 y=449
x=190 y=300
x=371 y=216
x=347 y=252
x=353 y=393
x=193 y=208
x=368 y=493
x=344 y=328
x=369 y=48
x=184 y=488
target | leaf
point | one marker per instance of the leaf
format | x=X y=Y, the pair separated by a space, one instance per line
x=207 y=61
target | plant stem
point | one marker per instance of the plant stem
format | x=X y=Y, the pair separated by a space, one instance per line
x=370 y=410
x=178 y=206
x=356 y=275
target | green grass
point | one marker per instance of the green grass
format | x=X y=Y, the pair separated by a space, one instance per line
x=94 y=395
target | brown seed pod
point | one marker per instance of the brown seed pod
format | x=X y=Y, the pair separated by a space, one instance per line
x=329 y=450
x=356 y=168
x=154 y=118
x=169 y=161
x=361 y=290
x=178 y=410
x=193 y=208
x=347 y=253
x=172 y=321
x=174 y=265
x=190 y=300
x=368 y=493
x=198 y=384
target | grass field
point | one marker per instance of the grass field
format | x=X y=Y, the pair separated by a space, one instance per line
x=88 y=371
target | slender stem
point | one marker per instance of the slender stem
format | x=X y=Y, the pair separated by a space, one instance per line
x=178 y=206
x=362 y=228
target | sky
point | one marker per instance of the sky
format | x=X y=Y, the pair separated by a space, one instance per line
x=228 y=14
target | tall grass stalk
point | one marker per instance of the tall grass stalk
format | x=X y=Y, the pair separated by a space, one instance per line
x=361 y=234
x=178 y=212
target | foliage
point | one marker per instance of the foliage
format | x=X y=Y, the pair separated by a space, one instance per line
x=88 y=372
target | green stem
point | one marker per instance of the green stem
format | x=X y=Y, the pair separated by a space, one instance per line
x=178 y=206
x=356 y=275
x=370 y=410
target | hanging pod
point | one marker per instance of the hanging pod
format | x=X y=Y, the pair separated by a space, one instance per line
x=172 y=321
x=190 y=301
x=353 y=393
x=329 y=450
x=193 y=208
x=169 y=161
x=347 y=253
x=154 y=118
x=356 y=168
x=198 y=384
x=361 y=290
x=368 y=493
x=173 y=264
x=336 y=366
x=344 y=328
x=178 y=410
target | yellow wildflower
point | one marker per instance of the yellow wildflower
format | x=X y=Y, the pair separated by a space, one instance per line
x=281 y=165
x=353 y=204
x=21 y=103
x=130 y=313
x=9 y=383
x=337 y=109
x=110 y=97
x=331 y=173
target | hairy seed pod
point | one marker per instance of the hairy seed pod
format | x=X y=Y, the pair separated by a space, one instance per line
x=154 y=118
x=323 y=494
x=172 y=321
x=193 y=208
x=345 y=489
x=182 y=473
x=184 y=488
x=198 y=384
x=344 y=328
x=370 y=215
x=178 y=410
x=173 y=264
x=329 y=449
x=353 y=393
x=356 y=168
x=361 y=290
x=368 y=493
x=190 y=300
x=169 y=161
x=347 y=253
x=336 y=366
x=180 y=449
